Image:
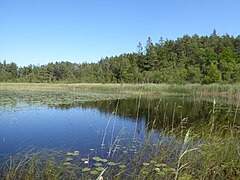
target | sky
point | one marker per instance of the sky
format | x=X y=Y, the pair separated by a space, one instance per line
x=43 y=31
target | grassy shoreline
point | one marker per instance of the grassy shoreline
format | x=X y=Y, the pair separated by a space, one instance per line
x=212 y=89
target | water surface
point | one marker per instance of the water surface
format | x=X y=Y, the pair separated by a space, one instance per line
x=85 y=126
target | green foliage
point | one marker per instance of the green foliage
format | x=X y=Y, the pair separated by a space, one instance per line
x=205 y=59
x=213 y=75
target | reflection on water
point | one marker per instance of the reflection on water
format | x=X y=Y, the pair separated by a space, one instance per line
x=74 y=128
x=162 y=112
x=83 y=127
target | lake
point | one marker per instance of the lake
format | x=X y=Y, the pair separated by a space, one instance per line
x=83 y=127
x=104 y=126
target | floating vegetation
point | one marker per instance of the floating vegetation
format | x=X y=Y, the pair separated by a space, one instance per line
x=157 y=169
x=98 y=164
x=104 y=160
x=160 y=173
x=146 y=164
x=66 y=163
x=69 y=159
x=111 y=163
x=86 y=169
x=98 y=159
x=69 y=154
x=122 y=166
x=153 y=162
x=84 y=159
x=63 y=99
x=74 y=153
x=100 y=169
x=94 y=172
x=160 y=165
x=145 y=172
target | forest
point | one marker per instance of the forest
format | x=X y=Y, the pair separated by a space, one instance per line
x=189 y=59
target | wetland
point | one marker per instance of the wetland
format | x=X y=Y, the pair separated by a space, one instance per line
x=113 y=131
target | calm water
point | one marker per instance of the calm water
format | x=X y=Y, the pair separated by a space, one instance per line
x=82 y=127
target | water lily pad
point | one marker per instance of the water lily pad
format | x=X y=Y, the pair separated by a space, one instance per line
x=100 y=169
x=104 y=160
x=84 y=159
x=69 y=159
x=165 y=169
x=94 y=172
x=145 y=172
x=157 y=169
x=153 y=162
x=111 y=163
x=146 y=164
x=122 y=166
x=97 y=159
x=69 y=154
x=98 y=164
x=75 y=153
x=86 y=169
x=66 y=163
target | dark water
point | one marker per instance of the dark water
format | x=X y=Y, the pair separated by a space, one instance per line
x=83 y=127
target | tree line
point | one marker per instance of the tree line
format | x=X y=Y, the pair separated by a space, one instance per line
x=189 y=59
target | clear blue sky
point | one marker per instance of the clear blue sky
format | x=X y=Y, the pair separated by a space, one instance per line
x=42 y=31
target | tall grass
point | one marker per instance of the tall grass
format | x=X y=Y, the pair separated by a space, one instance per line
x=214 y=90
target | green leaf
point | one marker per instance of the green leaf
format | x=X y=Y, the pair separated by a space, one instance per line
x=94 y=172
x=69 y=154
x=111 y=163
x=146 y=164
x=104 y=160
x=84 y=159
x=97 y=159
x=69 y=159
x=86 y=169
x=100 y=169
x=66 y=163
x=75 y=153
x=98 y=164
x=122 y=166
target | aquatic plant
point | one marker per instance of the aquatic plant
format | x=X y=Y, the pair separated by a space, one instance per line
x=204 y=150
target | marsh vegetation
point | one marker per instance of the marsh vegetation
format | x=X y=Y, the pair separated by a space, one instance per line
x=145 y=131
